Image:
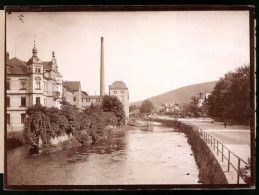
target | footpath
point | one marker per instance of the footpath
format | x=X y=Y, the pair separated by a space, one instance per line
x=236 y=145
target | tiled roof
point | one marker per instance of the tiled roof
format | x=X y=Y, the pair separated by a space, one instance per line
x=17 y=66
x=118 y=85
x=46 y=65
x=84 y=94
x=73 y=85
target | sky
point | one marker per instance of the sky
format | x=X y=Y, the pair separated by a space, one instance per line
x=152 y=52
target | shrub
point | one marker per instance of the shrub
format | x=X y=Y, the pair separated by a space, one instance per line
x=114 y=105
x=37 y=126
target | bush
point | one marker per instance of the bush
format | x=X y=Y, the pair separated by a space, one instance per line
x=37 y=126
x=114 y=105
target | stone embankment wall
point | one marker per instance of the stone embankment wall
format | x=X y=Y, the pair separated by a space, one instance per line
x=210 y=171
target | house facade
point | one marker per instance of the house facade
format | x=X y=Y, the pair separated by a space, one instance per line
x=119 y=89
x=35 y=82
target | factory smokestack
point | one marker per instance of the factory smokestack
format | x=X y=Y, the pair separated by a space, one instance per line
x=102 y=86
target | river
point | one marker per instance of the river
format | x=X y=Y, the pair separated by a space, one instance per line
x=162 y=156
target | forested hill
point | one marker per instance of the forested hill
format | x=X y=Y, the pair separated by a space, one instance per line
x=180 y=95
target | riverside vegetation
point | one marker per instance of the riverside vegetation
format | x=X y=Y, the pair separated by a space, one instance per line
x=89 y=125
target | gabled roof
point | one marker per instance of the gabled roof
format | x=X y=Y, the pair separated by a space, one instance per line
x=17 y=66
x=84 y=94
x=118 y=85
x=73 y=85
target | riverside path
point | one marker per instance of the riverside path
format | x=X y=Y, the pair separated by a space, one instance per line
x=234 y=137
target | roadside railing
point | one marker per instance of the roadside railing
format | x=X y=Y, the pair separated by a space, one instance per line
x=232 y=159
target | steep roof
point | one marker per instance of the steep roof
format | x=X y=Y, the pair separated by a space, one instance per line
x=17 y=66
x=73 y=85
x=118 y=85
x=84 y=94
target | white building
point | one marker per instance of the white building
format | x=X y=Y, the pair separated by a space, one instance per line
x=119 y=89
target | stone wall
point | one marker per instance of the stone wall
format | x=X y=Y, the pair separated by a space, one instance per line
x=210 y=171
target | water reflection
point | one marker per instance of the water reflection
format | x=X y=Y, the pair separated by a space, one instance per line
x=136 y=157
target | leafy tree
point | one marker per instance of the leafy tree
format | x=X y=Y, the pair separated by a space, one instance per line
x=146 y=107
x=36 y=108
x=114 y=105
x=230 y=98
x=73 y=117
x=37 y=126
x=132 y=108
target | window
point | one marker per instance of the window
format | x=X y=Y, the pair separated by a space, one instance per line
x=37 y=70
x=74 y=99
x=8 y=101
x=8 y=119
x=115 y=92
x=122 y=92
x=22 y=85
x=37 y=100
x=8 y=85
x=23 y=118
x=23 y=101
x=37 y=84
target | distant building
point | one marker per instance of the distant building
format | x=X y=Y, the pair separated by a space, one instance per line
x=202 y=98
x=119 y=89
x=73 y=87
x=170 y=107
x=88 y=100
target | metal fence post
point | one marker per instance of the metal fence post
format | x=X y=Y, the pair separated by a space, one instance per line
x=222 y=153
x=214 y=143
x=238 y=170
x=228 y=160
x=217 y=147
x=211 y=141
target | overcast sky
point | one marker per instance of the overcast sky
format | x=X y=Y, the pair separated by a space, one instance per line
x=152 y=52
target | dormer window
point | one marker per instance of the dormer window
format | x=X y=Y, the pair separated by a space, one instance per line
x=37 y=70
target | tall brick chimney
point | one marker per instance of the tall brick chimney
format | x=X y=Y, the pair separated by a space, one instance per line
x=102 y=86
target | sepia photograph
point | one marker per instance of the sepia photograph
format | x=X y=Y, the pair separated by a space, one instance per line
x=121 y=99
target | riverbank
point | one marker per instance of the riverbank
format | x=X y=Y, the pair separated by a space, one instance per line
x=210 y=171
x=16 y=139
x=129 y=157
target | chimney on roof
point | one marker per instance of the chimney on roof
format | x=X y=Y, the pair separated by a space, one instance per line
x=102 y=86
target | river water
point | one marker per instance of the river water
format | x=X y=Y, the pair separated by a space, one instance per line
x=135 y=157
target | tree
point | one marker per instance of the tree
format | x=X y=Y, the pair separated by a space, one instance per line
x=132 y=108
x=37 y=126
x=230 y=98
x=146 y=107
x=114 y=105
